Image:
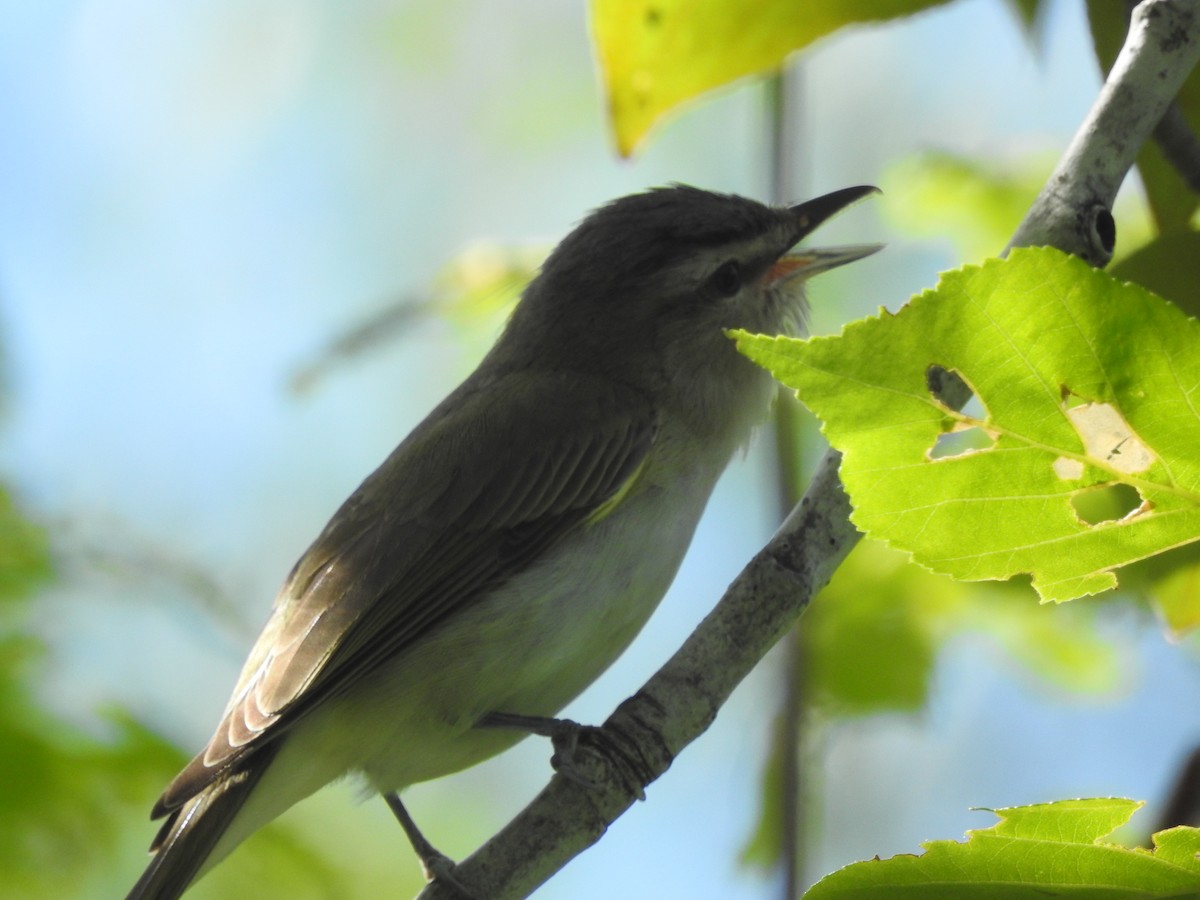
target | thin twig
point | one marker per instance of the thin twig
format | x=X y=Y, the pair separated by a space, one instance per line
x=1180 y=145
x=1182 y=806
x=393 y=319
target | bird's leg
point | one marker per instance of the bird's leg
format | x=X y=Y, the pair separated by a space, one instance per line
x=571 y=741
x=564 y=736
x=437 y=865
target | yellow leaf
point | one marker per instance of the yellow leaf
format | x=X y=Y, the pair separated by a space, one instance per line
x=656 y=54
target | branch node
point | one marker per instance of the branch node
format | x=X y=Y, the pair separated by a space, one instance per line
x=1102 y=230
x=636 y=732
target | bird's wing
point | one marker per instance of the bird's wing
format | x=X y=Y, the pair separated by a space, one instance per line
x=487 y=483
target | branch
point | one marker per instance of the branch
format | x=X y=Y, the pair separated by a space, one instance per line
x=678 y=703
x=1180 y=146
x=1074 y=210
x=1174 y=136
x=681 y=700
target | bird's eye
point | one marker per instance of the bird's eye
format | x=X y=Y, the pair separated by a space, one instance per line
x=727 y=280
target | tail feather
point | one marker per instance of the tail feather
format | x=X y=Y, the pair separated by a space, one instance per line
x=187 y=839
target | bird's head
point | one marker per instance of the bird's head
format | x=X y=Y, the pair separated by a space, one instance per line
x=663 y=273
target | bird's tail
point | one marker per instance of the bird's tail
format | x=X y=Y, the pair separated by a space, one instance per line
x=187 y=839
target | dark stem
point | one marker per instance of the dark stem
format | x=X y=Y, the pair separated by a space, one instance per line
x=1183 y=803
x=784 y=91
x=1180 y=146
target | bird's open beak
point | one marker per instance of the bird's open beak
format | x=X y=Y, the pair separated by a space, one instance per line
x=806 y=262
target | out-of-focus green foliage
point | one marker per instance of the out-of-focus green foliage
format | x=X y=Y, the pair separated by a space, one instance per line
x=69 y=796
x=74 y=808
x=1031 y=14
x=299 y=857
x=67 y=793
x=1169 y=265
x=24 y=557
x=1175 y=594
x=976 y=205
x=882 y=608
x=871 y=639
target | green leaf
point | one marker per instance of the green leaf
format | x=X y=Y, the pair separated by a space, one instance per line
x=1045 y=850
x=1088 y=387
x=656 y=54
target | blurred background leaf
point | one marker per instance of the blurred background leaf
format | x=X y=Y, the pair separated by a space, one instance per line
x=1169 y=265
x=974 y=203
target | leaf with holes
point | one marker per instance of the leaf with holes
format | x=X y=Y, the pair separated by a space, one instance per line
x=1084 y=456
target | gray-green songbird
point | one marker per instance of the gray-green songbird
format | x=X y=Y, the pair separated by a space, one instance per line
x=516 y=542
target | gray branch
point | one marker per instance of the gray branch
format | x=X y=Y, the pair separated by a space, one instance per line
x=681 y=700
x=1074 y=210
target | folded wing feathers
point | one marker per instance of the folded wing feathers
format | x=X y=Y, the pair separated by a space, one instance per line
x=321 y=630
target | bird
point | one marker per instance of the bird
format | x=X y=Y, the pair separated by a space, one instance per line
x=516 y=541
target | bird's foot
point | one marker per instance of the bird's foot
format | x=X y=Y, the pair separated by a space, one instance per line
x=578 y=748
x=442 y=869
